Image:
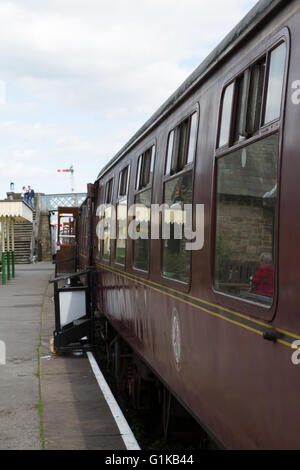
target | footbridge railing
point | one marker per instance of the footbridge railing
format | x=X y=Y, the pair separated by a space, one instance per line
x=50 y=202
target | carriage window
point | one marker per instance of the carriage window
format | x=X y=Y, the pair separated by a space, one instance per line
x=142 y=210
x=121 y=231
x=145 y=168
x=249 y=94
x=142 y=217
x=123 y=182
x=247 y=184
x=66 y=229
x=108 y=191
x=226 y=115
x=255 y=97
x=181 y=145
x=121 y=221
x=261 y=84
x=275 y=83
x=152 y=162
x=245 y=221
x=107 y=219
x=193 y=137
x=176 y=259
x=106 y=234
x=138 y=172
x=99 y=239
x=240 y=108
x=170 y=152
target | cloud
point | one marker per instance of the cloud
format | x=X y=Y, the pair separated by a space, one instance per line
x=23 y=170
x=24 y=155
x=91 y=74
x=2 y=92
x=96 y=55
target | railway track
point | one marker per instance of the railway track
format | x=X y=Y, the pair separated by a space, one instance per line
x=146 y=416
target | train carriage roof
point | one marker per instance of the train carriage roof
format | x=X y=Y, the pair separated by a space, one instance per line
x=255 y=17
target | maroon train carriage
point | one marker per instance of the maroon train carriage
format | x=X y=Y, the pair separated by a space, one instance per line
x=217 y=324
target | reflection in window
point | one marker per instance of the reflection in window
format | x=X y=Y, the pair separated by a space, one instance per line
x=107 y=220
x=101 y=197
x=176 y=259
x=67 y=230
x=245 y=221
x=170 y=152
x=226 y=115
x=193 y=137
x=121 y=231
x=138 y=172
x=106 y=234
x=142 y=217
x=275 y=82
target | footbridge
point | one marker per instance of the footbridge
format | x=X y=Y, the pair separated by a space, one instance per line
x=50 y=202
x=28 y=233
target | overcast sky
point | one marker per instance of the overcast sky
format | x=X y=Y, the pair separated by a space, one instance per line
x=79 y=77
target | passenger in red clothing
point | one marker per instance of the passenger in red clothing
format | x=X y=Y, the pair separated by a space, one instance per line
x=263 y=282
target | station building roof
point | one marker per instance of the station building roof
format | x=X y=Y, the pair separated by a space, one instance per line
x=18 y=210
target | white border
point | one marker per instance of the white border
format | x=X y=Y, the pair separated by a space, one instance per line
x=126 y=433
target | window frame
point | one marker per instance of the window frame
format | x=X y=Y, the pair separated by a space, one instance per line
x=121 y=172
x=111 y=179
x=99 y=188
x=253 y=308
x=119 y=198
x=264 y=128
x=266 y=83
x=106 y=190
x=137 y=192
x=221 y=104
x=140 y=168
x=176 y=140
x=189 y=167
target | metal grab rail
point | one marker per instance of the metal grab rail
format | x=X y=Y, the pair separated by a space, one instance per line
x=63 y=277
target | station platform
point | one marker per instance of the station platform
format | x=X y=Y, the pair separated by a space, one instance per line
x=47 y=401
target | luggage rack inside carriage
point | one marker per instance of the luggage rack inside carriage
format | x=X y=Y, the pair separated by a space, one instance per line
x=74 y=312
